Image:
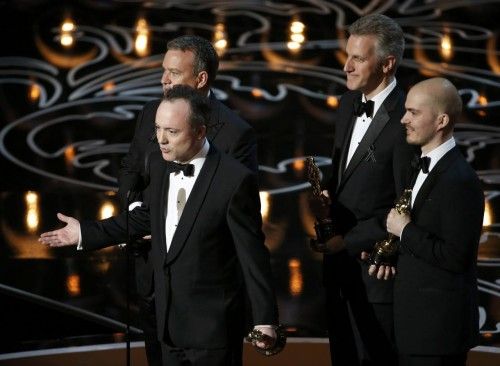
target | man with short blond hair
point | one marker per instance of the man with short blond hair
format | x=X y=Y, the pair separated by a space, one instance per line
x=369 y=159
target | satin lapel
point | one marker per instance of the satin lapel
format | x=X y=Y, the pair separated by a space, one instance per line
x=164 y=200
x=428 y=185
x=345 y=148
x=193 y=204
x=215 y=123
x=376 y=126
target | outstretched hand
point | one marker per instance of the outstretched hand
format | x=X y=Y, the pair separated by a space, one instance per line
x=68 y=235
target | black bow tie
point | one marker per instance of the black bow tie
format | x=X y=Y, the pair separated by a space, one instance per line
x=421 y=163
x=186 y=169
x=361 y=107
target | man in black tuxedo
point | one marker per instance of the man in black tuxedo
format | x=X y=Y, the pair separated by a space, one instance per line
x=190 y=60
x=207 y=245
x=369 y=160
x=435 y=293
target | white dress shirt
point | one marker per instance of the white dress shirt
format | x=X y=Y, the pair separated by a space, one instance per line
x=363 y=122
x=179 y=189
x=435 y=155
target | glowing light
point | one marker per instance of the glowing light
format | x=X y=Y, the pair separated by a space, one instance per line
x=296 y=282
x=265 y=204
x=446 y=47
x=297 y=37
x=220 y=39
x=293 y=46
x=332 y=101
x=67 y=40
x=108 y=86
x=73 y=285
x=32 y=220
x=220 y=44
x=491 y=55
x=107 y=210
x=32 y=211
x=68 y=26
x=34 y=92
x=297 y=27
x=488 y=214
x=142 y=38
x=482 y=100
x=257 y=93
x=141 y=44
x=31 y=198
x=66 y=34
x=298 y=165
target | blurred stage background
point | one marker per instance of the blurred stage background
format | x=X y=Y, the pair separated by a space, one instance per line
x=74 y=75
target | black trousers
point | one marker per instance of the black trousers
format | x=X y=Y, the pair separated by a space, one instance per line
x=447 y=360
x=360 y=333
x=232 y=356
x=148 y=323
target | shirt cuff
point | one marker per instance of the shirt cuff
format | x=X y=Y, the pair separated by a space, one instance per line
x=268 y=326
x=401 y=233
x=134 y=205
x=79 y=246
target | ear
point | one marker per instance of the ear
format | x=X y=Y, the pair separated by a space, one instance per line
x=389 y=64
x=202 y=80
x=443 y=121
x=202 y=132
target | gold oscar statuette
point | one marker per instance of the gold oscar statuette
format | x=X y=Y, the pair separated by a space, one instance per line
x=275 y=346
x=384 y=251
x=324 y=225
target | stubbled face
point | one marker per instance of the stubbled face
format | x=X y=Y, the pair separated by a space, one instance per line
x=178 y=68
x=364 y=71
x=421 y=120
x=177 y=139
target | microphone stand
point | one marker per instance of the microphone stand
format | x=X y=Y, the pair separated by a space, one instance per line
x=128 y=272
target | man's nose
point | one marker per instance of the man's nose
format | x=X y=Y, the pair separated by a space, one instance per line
x=162 y=137
x=165 y=79
x=348 y=65
x=404 y=120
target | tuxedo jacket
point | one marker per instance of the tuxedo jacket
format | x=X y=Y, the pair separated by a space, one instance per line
x=435 y=291
x=227 y=131
x=364 y=192
x=216 y=255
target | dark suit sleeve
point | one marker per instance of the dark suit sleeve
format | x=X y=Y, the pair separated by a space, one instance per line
x=460 y=215
x=235 y=137
x=113 y=231
x=369 y=230
x=245 y=223
x=245 y=150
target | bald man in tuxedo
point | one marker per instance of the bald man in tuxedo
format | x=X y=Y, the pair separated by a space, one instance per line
x=435 y=294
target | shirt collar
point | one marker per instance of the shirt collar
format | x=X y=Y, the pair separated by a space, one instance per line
x=437 y=153
x=380 y=97
x=199 y=158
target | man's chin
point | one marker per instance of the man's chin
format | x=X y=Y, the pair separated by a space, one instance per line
x=166 y=156
x=352 y=85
